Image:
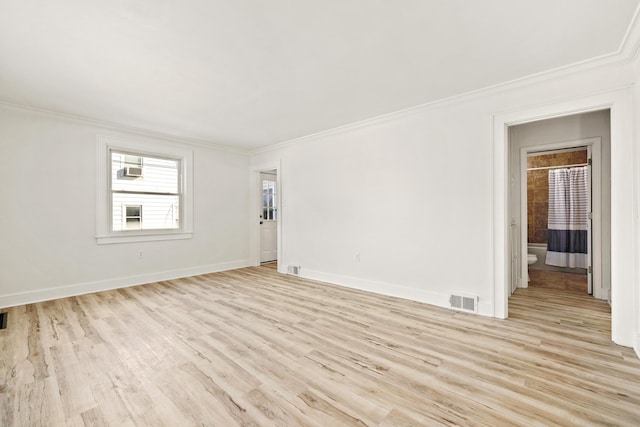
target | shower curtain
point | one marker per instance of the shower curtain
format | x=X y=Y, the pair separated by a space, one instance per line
x=568 y=217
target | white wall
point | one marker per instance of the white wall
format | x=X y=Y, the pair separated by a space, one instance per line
x=48 y=218
x=636 y=213
x=413 y=193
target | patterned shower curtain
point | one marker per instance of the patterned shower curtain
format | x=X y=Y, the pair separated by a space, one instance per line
x=568 y=217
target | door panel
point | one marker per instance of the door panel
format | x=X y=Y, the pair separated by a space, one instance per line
x=268 y=241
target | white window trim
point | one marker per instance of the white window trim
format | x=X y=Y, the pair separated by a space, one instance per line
x=104 y=233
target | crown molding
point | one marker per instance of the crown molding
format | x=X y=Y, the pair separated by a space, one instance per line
x=118 y=127
x=462 y=97
x=630 y=45
x=627 y=52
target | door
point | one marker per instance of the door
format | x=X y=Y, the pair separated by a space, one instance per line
x=589 y=225
x=269 y=217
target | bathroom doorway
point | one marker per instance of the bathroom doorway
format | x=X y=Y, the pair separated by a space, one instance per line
x=544 y=152
x=557 y=205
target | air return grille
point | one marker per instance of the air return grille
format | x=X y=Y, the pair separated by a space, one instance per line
x=294 y=269
x=464 y=303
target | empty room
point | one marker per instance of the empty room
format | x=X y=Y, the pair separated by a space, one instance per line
x=320 y=213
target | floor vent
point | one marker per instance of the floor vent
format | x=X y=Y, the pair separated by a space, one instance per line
x=464 y=303
x=3 y=320
x=294 y=269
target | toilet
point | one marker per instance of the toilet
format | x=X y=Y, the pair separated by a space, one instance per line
x=531 y=259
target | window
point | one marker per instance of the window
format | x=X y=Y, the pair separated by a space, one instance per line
x=132 y=217
x=132 y=161
x=144 y=191
x=269 y=205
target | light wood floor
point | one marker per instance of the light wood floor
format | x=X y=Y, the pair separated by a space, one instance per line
x=252 y=347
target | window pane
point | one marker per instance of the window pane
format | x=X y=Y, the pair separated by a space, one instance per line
x=269 y=201
x=133 y=211
x=135 y=161
x=158 y=175
x=132 y=224
x=154 y=211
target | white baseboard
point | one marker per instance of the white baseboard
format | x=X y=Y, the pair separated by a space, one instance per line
x=636 y=345
x=115 y=283
x=441 y=300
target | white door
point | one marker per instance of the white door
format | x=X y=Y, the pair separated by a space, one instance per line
x=269 y=218
x=589 y=226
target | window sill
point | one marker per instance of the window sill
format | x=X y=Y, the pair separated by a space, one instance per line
x=108 y=240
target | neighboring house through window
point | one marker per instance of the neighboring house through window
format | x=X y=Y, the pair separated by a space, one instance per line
x=144 y=197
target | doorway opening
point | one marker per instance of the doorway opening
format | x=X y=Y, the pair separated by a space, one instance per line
x=557 y=213
x=622 y=252
x=265 y=201
x=559 y=208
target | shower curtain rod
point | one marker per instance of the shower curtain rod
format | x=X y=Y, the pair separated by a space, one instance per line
x=558 y=167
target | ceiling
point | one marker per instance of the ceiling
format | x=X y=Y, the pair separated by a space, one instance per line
x=252 y=73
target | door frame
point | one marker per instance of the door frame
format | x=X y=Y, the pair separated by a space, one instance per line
x=623 y=202
x=255 y=209
x=593 y=146
x=265 y=222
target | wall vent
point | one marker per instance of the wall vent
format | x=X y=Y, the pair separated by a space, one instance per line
x=464 y=302
x=294 y=269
